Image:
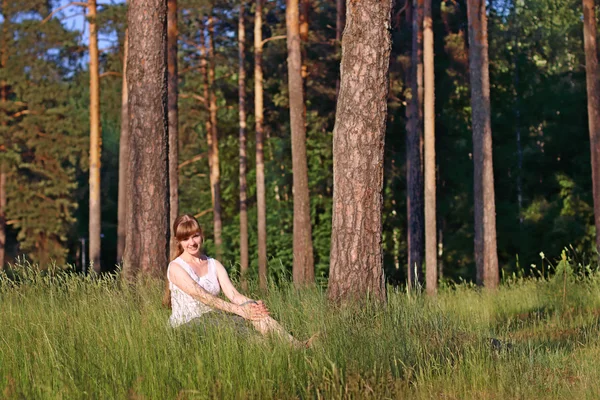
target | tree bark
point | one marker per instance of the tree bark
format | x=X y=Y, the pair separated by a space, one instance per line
x=356 y=269
x=95 y=217
x=486 y=256
x=430 y=182
x=2 y=216
x=3 y=99
x=261 y=203
x=147 y=247
x=303 y=269
x=215 y=171
x=123 y=160
x=414 y=153
x=593 y=106
x=340 y=21
x=243 y=155
x=172 y=37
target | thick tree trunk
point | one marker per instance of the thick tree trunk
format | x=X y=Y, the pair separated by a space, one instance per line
x=340 y=21
x=486 y=255
x=243 y=156
x=147 y=247
x=215 y=171
x=261 y=202
x=123 y=160
x=95 y=142
x=303 y=268
x=172 y=37
x=593 y=95
x=356 y=268
x=414 y=153
x=430 y=182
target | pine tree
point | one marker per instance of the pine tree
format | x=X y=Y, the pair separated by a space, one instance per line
x=358 y=143
x=486 y=256
x=172 y=37
x=430 y=181
x=261 y=202
x=593 y=104
x=147 y=245
x=242 y=152
x=303 y=268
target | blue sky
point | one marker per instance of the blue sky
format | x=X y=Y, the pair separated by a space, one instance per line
x=74 y=19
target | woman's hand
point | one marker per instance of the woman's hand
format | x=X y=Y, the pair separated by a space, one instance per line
x=253 y=311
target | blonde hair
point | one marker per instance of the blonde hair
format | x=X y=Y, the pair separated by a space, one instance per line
x=184 y=227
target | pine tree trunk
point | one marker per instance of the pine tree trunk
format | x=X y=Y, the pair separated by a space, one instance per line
x=429 y=122
x=2 y=215
x=356 y=268
x=172 y=37
x=147 y=247
x=414 y=153
x=123 y=160
x=243 y=156
x=593 y=95
x=340 y=21
x=261 y=203
x=215 y=172
x=486 y=256
x=303 y=268
x=303 y=31
x=3 y=99
x=95 y=142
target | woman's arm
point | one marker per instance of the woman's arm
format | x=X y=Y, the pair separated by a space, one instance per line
x=180 y=278
x=228 y=289
x=231 y=292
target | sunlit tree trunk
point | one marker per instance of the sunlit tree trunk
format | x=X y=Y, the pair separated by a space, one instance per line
x=303 y=268
x=172 y=37
x=95 y=142
x=340 y=21
x=430 y=182
x=593 y=96
x=356 y=269
x=414 y=152
x=147 y=246
x=486 y=255
x=243 y=155
x=123 y=161
x=261 y=203
x=215 y=172
x=305 y=6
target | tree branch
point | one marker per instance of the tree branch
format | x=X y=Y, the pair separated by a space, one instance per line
x=113 y=73
x=193 y=96
x=273 y=38
x=73 y=3
x=191 y=160
x=202 y=213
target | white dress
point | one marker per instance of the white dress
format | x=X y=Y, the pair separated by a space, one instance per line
x=184 y=307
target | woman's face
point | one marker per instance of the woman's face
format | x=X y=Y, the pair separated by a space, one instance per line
x=193 y=244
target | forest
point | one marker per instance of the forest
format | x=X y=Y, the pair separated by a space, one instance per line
x=407 y=192
x=62 y=148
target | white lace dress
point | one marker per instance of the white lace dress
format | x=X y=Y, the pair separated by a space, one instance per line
x=184 y=307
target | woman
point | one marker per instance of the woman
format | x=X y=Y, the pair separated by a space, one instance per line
x=195 y=280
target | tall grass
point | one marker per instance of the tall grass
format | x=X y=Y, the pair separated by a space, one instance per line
x=66 y=336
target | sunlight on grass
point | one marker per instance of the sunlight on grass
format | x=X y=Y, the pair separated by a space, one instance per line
x=67 y=336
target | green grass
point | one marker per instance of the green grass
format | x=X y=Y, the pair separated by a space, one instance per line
x=67 y=337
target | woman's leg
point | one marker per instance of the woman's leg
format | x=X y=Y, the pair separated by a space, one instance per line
x=268 y=326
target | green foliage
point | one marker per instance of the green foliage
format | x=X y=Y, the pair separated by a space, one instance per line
x=537 y=93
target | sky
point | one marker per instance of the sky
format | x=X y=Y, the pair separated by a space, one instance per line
x=74 y=19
